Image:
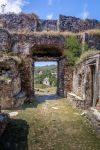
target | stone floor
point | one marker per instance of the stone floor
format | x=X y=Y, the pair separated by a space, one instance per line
x=49 y=123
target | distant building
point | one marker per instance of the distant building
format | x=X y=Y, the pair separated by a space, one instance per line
x=41 y=72
x=46 y=81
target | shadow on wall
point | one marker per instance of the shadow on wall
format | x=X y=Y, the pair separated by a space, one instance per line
x=15 y=135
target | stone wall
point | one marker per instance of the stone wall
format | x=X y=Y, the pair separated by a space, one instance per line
x=10 y=82
x=27 y=76
x=68 y=78
x=85 y=81
x=60 y=89
x=5 y=41
x=6 y=95
x=18 y=21
x=93 y=117
x=26 y=43
x=27 y=72
x=67 y=23
x=47 y=25
x=21 y=34
x=29 y=22
x=93 y=40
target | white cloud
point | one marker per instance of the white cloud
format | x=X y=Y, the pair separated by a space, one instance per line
x=50 y=2
x=12 y=5
x=49 y=17
x=85 y=13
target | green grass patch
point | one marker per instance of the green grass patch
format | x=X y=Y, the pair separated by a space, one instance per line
x=50 y=125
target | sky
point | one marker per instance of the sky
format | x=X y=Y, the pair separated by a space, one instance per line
x=45 y=63
x=50 y=9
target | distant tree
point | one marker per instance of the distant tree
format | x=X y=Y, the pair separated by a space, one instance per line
x=47 y=72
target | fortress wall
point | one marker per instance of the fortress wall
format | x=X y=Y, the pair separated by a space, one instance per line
x=64 y=23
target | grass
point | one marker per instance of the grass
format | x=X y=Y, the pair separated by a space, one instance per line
x=53 y=33
x=86 y=55
x=41 y=86
x=50 y=125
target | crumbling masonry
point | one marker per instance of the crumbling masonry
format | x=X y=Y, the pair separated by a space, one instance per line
x=31 y=39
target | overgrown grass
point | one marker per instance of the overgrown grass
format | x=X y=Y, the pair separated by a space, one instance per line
x=50 y=125
x=86 y=55
x=53 y=33
x=41 y=86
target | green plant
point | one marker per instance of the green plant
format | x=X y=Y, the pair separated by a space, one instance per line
x=72 y=49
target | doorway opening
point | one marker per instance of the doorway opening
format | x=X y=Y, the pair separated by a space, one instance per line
x=93 y=69
x=45 y=77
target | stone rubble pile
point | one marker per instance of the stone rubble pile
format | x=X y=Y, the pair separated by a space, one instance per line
x=94 y=119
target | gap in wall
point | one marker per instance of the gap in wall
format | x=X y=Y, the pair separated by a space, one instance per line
x=45 y=77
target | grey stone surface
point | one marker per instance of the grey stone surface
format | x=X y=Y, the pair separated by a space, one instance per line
x=76 y=101
x=86 y=80
x=93 y=117
x=31 y=23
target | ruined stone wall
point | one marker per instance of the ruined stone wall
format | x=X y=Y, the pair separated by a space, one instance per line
x=82 y=83
x=68 y=78
x=24 y=43
x=47 y=25
x=67 y=23
x=65 y=76
x=64 y=23
x=93 y=40
x=85 y=81
x=10 y=81
x=5 y=40
x=18 y=21
x=6 y=95
x=60 y=86
x=26 y=76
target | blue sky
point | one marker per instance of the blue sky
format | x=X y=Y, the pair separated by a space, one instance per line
x=50 y=9
x=44 y=63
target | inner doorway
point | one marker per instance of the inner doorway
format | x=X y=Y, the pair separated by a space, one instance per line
x=93 y=70
x=45 y=77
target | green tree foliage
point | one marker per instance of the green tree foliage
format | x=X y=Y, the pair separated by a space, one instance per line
x=46 y=72
x=73 y=49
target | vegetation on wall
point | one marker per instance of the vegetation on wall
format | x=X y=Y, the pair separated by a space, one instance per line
x=86 y=55
x=73 y=49
x=76 y=51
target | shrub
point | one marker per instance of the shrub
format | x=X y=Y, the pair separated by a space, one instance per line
x=72 y=49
